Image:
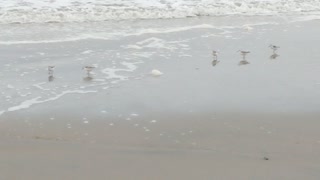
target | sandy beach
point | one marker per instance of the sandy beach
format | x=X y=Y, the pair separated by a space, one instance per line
x=196 y=121
x=233 y=146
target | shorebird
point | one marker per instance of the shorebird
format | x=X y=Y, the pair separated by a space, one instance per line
x=244 y=53
x=50 y=73
x=274 y=48
x=50 y=70
x=88 y=69
x=215 y=54
x=244 y=61
x=215 y=58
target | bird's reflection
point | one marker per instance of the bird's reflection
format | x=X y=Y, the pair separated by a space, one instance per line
x=274 y=56
x=50 y=78
x=243 y=62
x=215 y=62
x=88 y=78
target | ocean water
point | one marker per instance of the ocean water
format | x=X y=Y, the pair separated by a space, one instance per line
x=39 y=11
x=126 y=40
x=49 y=21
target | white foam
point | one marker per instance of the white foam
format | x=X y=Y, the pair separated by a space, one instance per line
x=78 y=38
x=247 y=28
x=28 y=103
x=38 y=85
x=157 y=43
x=153 y=42
x=112 y=72
x=156 y=72
x=171 y=30
x=25 y=104
x=28 y=11
x=87 y=52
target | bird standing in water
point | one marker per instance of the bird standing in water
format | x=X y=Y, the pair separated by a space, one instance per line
x=50 y=70
x=88 y=69
x=50 y=73
x=244 y=61
x=274 y=48
x=215 y=58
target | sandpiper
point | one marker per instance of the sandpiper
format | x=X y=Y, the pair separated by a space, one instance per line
x=274 y=48
x=244 y=53
x=88 y=69
x=244 y=61
x=215 y=58
x=50 y=70
x=215 y=53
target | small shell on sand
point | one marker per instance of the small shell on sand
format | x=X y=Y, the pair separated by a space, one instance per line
x=156 y=72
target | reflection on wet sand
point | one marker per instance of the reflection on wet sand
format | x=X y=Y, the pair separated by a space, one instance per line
x=243 y=62
x=88 y=78
x=215 y=62
x=50 y=78
x=274 y=56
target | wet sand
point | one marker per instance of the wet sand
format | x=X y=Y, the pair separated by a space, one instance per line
x=220 y=146
x=196 y=121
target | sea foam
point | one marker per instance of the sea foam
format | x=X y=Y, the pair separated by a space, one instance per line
x=41 y=11
x=28 y=103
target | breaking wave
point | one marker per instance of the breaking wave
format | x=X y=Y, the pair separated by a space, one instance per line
x=43 y=11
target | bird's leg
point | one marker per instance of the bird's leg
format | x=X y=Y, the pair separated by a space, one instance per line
x=50 y=72
x=215 y=57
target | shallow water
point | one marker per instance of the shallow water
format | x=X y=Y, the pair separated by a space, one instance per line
x=126 y=52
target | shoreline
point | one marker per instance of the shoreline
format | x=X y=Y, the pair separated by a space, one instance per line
x=196 y=121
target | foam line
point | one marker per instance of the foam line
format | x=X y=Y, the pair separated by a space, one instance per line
x=28 y=103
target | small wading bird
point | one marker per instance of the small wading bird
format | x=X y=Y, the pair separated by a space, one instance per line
x=274 y=48
x=215 y=58
x=50 y=73
x=88 y=69
x=50 y=70
x=243 y=54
